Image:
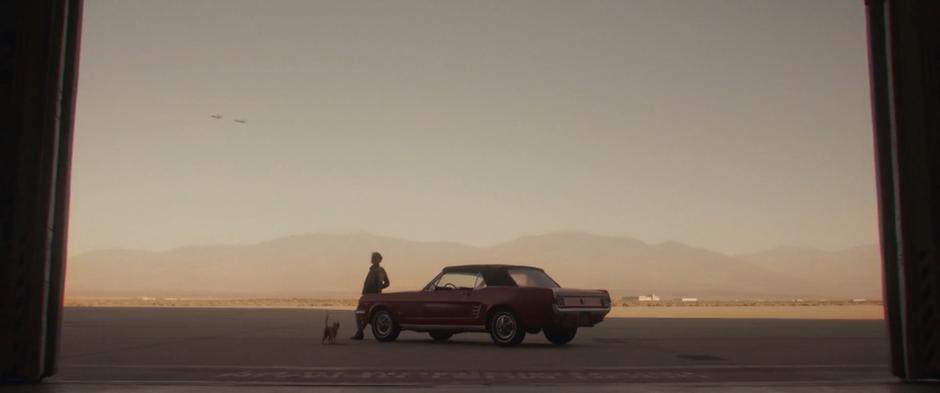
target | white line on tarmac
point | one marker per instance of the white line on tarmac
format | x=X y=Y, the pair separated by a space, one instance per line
x=669 y=367
x=224 y=383
x=383 y=384
x=763 y=384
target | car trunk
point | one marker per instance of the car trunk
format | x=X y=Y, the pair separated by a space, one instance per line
x=567 y=297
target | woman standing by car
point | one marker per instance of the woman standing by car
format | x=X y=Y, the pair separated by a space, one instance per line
x=376 y=281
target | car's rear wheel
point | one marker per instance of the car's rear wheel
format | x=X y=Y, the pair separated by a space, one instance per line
x=559 y=336
x=505 y=328
x=384 y=326
x=441 y=336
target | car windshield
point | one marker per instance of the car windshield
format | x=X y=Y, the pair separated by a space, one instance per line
x=532 y=278
x=458 y=280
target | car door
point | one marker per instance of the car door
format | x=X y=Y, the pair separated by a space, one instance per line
x=451 y=300
x=412 y=310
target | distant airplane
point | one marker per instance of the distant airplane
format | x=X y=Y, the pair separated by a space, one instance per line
x=216 y=116
x=242 y=121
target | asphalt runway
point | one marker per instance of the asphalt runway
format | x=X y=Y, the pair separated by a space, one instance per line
x=282 y=346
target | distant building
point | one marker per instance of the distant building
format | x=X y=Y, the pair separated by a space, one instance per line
x=648 y=298
x=642 y=298
x=689 y=299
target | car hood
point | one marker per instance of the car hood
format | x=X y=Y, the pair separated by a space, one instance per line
x=390 y=295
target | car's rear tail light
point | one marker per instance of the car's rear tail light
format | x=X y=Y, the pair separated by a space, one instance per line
x=560 y=301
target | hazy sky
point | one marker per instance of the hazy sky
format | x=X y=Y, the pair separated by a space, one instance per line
x=730 y=125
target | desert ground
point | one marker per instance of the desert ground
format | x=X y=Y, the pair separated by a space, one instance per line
x=819 y=310
x=816 y=312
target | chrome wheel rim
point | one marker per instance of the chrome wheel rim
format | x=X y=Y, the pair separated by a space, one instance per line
x=504 y=327
x=383 y=324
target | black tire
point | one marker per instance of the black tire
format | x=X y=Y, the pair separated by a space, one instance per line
x=560 y=336
x=505 y=329
x=384 y=326
x=441 y=336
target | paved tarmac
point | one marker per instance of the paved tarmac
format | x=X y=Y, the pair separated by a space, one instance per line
x=593 y=388
x=278 y=347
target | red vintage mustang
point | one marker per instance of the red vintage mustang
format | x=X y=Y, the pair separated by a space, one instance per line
x=505 y=300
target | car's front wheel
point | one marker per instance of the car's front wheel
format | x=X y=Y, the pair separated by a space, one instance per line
x=441 y=336
x=384 y=326
x=505 y=329
x=559 y=336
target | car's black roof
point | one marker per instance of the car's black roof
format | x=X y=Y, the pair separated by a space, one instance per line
x=477 y=268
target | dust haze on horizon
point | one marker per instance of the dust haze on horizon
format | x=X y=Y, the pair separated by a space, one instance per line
x=325 y=265
x=734 y=126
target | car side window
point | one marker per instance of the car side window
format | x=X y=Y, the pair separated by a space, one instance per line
x=480 y=282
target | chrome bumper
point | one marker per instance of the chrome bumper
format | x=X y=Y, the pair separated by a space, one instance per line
x=603 y=310
x=579 y=316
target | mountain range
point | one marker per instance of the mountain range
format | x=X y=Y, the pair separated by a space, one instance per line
x=334 y=266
